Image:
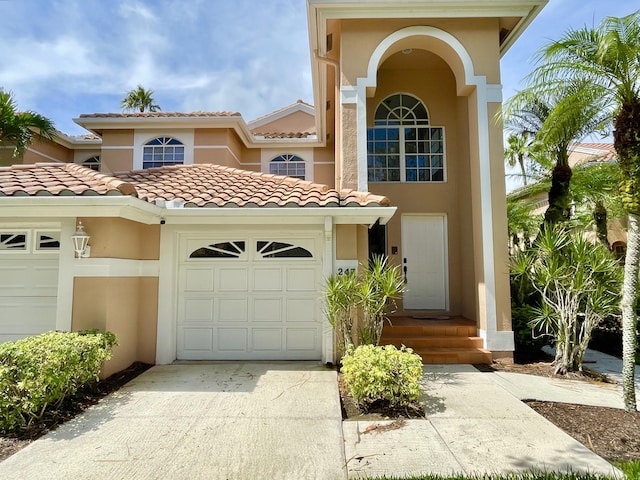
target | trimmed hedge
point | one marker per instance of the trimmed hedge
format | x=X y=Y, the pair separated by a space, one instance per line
x=39 y=372
x=373 y=373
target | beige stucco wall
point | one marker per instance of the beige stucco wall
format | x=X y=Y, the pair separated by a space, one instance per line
x=40 y=151
x=295 y=122
x=324 y=165
x=121 y=238
x=479 y=36
x=126 y=306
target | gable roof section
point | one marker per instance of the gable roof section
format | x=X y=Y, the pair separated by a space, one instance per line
x=202 y=185
x=267 y=125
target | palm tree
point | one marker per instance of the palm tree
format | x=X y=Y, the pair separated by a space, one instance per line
x=139 y=100
x=17 y=129
x=606 y=60
x=555 y=118
x=517 y=151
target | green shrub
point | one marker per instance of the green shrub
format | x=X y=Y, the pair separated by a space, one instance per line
x=372 y=373
x=41 y=371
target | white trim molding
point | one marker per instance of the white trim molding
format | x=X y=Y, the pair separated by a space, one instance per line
x=497 y=341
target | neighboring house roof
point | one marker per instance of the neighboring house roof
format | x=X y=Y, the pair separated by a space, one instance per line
x=594 y=152
x=201 y=185
x=273 y=135
x=160 y=114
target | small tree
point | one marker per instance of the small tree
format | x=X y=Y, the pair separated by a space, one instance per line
x=579 y=284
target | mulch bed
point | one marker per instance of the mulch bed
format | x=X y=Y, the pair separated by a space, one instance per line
x=609 y=432
x=11 y=443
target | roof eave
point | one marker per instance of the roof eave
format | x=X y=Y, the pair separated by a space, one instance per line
x=132 y=208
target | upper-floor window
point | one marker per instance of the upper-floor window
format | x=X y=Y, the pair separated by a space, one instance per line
x=402 y=146
x=93 y=163
x=290 y=165
x=162 y=151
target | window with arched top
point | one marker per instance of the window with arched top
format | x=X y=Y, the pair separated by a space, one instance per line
x=93 y=163
x=289 y=165
x=402 y=146
x=162 y=151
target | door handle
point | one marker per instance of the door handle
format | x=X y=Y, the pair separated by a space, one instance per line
x=404 y=269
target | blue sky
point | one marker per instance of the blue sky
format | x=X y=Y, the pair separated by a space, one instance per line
x=67 y=57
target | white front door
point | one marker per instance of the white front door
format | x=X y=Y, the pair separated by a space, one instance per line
x=424 y=262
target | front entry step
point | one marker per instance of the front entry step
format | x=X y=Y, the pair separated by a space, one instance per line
x=451 y=340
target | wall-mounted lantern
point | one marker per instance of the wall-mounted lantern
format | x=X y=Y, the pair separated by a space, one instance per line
x=81 y=241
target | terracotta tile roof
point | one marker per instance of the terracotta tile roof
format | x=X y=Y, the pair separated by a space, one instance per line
x=206 y=185
x=159 y=114
x=603 y=152
x=272 y=135
x=59 y=179
x=202 y=185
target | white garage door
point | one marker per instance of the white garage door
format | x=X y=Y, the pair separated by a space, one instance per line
x=28 y=283
x=249 y=298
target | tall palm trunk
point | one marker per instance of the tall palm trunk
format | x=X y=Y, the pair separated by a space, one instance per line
x=559 y=196
x=600 y=218
x=629 y=318
x=522 y=168
x=627 y=145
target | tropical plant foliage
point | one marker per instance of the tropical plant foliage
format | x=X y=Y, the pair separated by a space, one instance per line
x=358 y=304
x=139 y=100
x=579 y=285
x=375 y=373
x=20 y=129
x=605 y=60
x=39 y=372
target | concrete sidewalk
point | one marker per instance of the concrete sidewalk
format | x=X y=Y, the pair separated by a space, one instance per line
x=282 y=420
x=200 y=421
x=477 y=424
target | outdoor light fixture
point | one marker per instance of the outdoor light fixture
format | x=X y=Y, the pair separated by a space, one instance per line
x=80 y=241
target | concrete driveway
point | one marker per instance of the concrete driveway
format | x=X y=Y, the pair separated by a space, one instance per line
x=200 y=421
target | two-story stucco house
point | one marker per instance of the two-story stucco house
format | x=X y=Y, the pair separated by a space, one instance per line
x=211 y=237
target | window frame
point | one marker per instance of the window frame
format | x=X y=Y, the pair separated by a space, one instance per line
x=396 y=129
x=288 y=160
x=166 y=142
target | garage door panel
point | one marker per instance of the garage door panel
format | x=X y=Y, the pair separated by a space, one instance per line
x=301 y=279
x=197 y=339
x=28 y=277
x=266 y=339
x=198 y=279
x=232 y=339
x=267 y=279
x=267 y=309
x=233 y=279
x=24 y=316
x=198 y=310
x=233 y=310
x=301 y=310
x=302 y=339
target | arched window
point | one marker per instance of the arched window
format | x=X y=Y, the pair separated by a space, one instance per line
x=93 y=163
x=290 y=165
x=401 y=145
x=162 y=151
